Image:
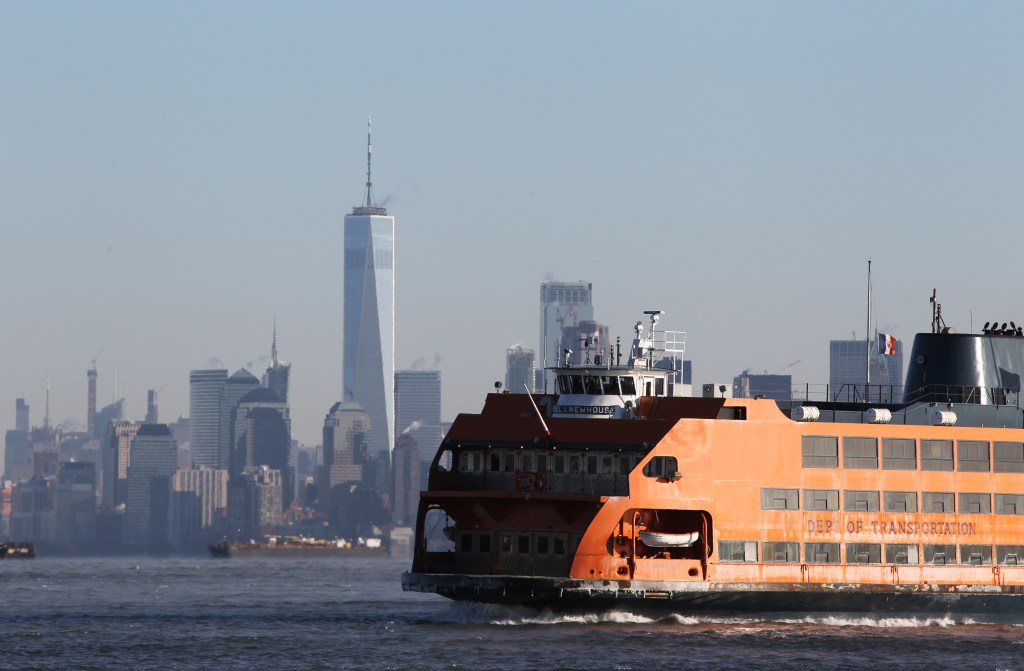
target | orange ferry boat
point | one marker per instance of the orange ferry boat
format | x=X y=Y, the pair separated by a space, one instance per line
x=615 y=492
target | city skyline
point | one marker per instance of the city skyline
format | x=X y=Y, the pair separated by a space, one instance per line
x=171 y=184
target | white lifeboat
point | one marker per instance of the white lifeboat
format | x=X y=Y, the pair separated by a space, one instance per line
x=655 y=539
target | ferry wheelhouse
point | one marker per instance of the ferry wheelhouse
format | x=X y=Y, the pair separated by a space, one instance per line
x=616 y=490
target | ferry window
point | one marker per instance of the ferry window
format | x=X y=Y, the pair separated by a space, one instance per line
x=899 y=454
x=972 y=456
x=559 y=463
x=466 y=542
x=506 y=544
x=901 y=554
x=1008 y=457
x=485 y=543
x=978 y=504
x=647 y=387
x=526 y=461
x=606 y=465
x=854 y=500
x=510 y=462
x=939 y=554
x=592 y=384
x=774 y=553
x=610 y=384
x=542 y=545
x=1010 y=555
x=625 y=466
x=1010 y=504
x=559 y=545
x=464 y=462
x=523 y=544
x=900 y=502
x=662 y=467
x=820 y=451
x=470 y=462
x=591 y=465
x=976 y=555
x=821 y=499
x=936 y=455
x=937 y=502
x=737 y=551
x=628 y=386
x=542 y=463
x=779 y=499
x=574 y=463
x=495 y=461
x=659 y=387
x=564 y=385
x=576 y=384
x=863 y=553
x=860 y=452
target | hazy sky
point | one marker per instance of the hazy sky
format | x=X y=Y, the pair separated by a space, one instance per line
x=172 y=175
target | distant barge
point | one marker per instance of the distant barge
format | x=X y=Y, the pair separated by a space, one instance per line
x=17 y=551
x=294 y=549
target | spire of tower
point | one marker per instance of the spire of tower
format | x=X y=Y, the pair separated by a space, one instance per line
x=369 y=155
x=46 y=417
x=273 y=346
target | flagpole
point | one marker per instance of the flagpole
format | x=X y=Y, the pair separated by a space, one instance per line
x=867 y=358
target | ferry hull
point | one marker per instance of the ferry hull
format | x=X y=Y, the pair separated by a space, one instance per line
x=990 y=603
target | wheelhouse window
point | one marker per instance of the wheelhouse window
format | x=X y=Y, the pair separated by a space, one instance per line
x=900 y=502
x=979 y=503
x=575 y=384
x=863 y=553
x=936 y=455
x=610 y=384
x=780 y=499
x=899 y=454
x=592 y=385
x=860 y=452
x=972 y=456
x=820 y=451
x=860 y=500
x=1008 y=457
x=937 y=502
x=628 y=385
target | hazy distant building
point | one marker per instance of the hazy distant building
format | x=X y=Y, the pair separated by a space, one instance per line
x=261 y=430
x=406 y=471
x=752 y=385
x=418 y=406
x=345 y=458
x=109 y=413
x=520 y=367
x=198 y=506
x=32 y=510
x=18 y=463
x=276 y=377
x=234 y=388
x=91 y=374
x=154 y=458
x=562 y=304
x=74 y=505
x=116 y=460
x=152 y=411
x=255 y=502
x=21 y=417
x=848 y=372
x=368 y=365
x=204 y=415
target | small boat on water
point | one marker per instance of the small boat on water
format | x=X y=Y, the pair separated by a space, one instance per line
x=16 y=550
x=616 y=490
x=295 y=546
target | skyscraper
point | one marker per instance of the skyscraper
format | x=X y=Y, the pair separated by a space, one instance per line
x=21 y=415
x=154 y=458
x=418 y=407
x=519 y=369
x=562 y=305
x=847 y=362
x=368 y=365
x=204 y=414
x=232 y=391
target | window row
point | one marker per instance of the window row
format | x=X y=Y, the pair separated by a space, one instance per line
x=514 y=543
x=597 y=385
x=900 y=454
x=869 y=553
x=855 y=500
x=534 y=461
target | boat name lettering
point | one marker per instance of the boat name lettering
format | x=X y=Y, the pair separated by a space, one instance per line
x=893 y=528
x=585 y=409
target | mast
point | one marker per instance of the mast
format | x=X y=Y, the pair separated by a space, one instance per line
x=867 y=358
